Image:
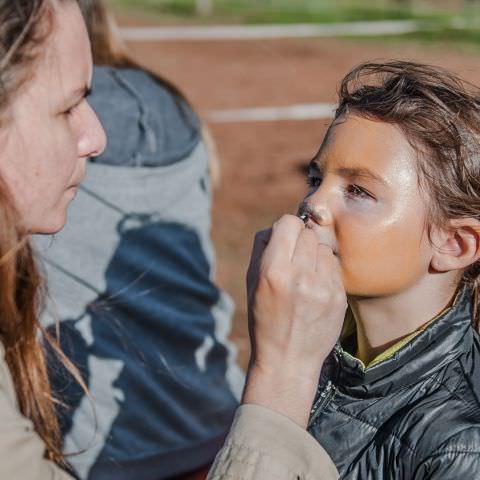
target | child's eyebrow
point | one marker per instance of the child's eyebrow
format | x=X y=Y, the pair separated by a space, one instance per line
x=359 y=173
x=314 y=166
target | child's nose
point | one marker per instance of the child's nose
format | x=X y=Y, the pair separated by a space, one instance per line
x=320 y=214
x=319 y=204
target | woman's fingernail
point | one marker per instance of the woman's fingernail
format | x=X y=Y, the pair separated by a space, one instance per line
x=304 y=218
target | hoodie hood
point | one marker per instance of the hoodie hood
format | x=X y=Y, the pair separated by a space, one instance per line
x=158 y=128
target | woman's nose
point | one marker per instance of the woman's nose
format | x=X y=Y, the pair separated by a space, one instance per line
x=93 y=140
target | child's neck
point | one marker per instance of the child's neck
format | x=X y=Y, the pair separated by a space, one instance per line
x=383 y=321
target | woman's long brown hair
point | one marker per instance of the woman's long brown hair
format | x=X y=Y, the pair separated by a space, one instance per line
x=24 y=26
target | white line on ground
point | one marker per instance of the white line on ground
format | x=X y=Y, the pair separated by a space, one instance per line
x=255 y=32
x=270 y=114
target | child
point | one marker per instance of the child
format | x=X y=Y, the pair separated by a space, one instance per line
x=395 y=192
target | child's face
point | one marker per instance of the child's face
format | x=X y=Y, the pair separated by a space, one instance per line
x=364 y=186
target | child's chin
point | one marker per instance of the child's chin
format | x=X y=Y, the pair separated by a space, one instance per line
x=355 y=291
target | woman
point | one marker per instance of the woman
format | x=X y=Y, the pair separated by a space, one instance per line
x=140 y=314
x=48 y=133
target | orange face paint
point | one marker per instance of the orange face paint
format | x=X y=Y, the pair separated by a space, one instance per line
x=365 y=202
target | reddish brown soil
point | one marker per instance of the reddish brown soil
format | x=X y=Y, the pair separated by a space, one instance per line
x=262 y=162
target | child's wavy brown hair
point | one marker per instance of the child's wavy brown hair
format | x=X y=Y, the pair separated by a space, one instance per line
x=440 y=116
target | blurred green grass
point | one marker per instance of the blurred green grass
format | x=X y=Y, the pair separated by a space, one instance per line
x=437 y=16
x=292 y=11
x=466 y=39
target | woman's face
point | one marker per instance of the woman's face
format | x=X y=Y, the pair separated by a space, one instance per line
x=365 y=198
x=52 y=130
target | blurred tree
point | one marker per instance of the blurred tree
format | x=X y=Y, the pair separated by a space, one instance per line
x=204 y=7
x=404 y=4
x=470 y=4
x=471 y=10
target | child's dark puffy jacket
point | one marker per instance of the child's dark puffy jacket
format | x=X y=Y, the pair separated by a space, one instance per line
x=415 y=415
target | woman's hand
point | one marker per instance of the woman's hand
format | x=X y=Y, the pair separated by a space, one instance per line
x=297 y=306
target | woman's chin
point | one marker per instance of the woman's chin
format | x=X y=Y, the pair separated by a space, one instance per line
x=51 y=220
x=54 y=224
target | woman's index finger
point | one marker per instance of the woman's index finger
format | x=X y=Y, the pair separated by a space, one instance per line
x=260 y=243
x=283 y=240
x=326 y=261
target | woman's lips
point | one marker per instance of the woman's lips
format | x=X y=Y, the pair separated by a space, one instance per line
x=78 y=178
x=76 y=183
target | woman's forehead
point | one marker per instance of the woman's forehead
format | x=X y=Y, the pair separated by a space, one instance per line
x=67 y=63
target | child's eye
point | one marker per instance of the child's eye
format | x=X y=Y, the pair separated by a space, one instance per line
x=356 y=192
x=314 y=181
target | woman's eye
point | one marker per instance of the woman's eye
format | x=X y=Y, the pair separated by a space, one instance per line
x=72 y=109
x=313 y=182
x=354 y=191
x=69 y=111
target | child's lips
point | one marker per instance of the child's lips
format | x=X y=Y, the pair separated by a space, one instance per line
x=324 y=237
x=323 y=234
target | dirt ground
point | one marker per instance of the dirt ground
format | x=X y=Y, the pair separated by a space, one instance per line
x=263 y=162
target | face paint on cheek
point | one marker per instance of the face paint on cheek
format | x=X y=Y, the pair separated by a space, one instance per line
x=383 y=262
x=369 y=187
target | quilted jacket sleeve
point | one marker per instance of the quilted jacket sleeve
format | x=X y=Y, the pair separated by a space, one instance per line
x=264 y=445
x=459 y=458
x=451 y=466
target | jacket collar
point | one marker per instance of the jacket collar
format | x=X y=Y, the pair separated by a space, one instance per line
x=444 y=340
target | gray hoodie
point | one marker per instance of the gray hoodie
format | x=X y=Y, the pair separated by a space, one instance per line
x=131 y=281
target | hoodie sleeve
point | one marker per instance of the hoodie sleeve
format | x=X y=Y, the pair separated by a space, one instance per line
x=265 y=445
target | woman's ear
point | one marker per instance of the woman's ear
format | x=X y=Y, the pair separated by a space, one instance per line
x=457 y=246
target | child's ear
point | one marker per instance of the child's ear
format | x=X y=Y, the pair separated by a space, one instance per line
x=457 y=246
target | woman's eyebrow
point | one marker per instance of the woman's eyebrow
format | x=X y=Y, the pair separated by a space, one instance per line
x=81 y=93
x=76 y=96
x=361 y=172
